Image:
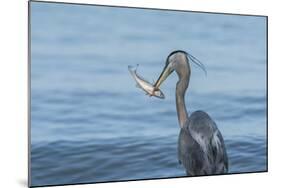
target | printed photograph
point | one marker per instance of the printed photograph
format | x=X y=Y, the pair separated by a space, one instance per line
x=120 y=93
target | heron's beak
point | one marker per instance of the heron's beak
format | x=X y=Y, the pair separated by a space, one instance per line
x=165 y=73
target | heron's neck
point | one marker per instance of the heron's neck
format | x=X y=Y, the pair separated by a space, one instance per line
x=182 y=85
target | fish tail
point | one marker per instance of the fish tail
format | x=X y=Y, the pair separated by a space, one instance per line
x=132 y=70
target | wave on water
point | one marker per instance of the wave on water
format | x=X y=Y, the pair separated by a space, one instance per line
x=99 y=160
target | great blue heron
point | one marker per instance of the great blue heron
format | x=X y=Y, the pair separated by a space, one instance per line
x=201 y=147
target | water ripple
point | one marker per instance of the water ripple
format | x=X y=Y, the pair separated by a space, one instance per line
x=128 y=158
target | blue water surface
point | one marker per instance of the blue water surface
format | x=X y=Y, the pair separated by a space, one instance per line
x=89 y=123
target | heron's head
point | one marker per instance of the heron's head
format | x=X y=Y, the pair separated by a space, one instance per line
x=176 y=61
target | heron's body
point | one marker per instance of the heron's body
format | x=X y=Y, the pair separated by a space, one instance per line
x=201 y=148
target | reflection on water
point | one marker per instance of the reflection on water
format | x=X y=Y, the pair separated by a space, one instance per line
x=89 y=123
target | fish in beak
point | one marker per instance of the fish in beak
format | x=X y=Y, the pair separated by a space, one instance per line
x=165 y=73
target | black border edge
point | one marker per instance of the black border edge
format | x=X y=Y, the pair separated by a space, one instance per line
x=145 y=8
x=266 y=92
x=29 y=92
x=151 y=179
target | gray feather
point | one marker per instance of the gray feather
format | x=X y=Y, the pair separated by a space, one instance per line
x=201 y=147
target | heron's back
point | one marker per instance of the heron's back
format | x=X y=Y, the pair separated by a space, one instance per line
x=201 y=148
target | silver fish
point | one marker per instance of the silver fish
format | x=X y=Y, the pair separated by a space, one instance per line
x=145 y=85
